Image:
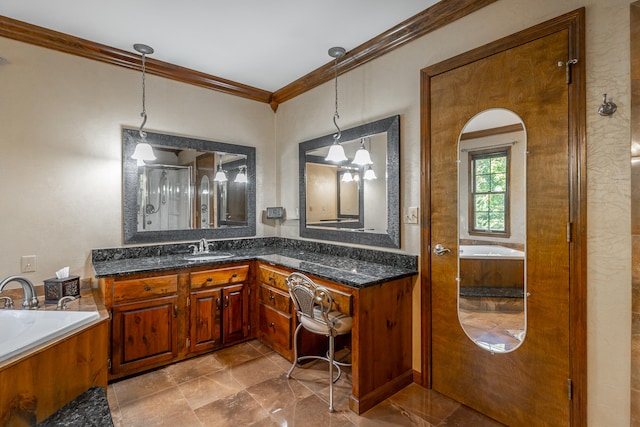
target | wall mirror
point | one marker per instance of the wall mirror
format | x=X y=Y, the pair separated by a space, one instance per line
x=195 y=188
x=492 y=230
x=353 y=203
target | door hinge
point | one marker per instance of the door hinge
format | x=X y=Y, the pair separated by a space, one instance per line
x=569 y=232
x=188 y=302
x=109 y=364
x=249 y=328
x=567 y=67
x=570 y=389
x=188 y=342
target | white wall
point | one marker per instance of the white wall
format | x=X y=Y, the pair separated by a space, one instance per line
x=61 y=119
x=391 y=85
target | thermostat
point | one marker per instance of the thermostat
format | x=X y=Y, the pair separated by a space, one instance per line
x=275 y=212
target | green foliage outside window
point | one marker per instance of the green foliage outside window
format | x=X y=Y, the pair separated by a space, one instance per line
x=489 y=195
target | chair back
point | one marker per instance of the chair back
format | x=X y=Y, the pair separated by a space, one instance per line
x=307 y=296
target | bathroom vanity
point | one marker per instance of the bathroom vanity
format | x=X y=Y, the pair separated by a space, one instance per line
x=166 y=309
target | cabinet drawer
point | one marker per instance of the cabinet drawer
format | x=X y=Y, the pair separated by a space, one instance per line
x=273 y=277
x=219 y=276
x=275 y=328
x=135 y=289
x=275 y=298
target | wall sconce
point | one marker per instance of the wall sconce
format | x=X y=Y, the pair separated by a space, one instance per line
x=143 y=151
x=336 y=152
x=607 y=108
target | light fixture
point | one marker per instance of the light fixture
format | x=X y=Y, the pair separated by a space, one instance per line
x=241 y=177
x=369 y=174
x=346 y=176
x=221 y=176
x=336 y=152
x=362 y=156
x=143 y=151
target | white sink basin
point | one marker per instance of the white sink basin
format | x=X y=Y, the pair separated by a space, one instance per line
x=208 y=256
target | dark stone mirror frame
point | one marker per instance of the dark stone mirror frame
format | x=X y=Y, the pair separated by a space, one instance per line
x=391 y=239
x=130 y=189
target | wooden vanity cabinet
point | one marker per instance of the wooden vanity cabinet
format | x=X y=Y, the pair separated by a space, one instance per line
x=219 y=307
x=144 y=328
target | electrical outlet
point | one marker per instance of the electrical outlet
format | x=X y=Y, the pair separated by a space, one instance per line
x=28 y=264
x=411 y=215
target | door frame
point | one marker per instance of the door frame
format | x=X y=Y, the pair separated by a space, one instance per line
x=574 y=22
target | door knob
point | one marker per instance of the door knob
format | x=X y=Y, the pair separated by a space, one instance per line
x=440 y=250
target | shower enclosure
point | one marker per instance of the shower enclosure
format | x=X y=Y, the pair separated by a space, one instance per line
x=164 y=199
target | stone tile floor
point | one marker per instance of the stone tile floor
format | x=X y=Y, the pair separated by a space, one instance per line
x=246 y=385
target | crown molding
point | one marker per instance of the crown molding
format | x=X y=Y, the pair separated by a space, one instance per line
x=437 y=16
x=44 y=37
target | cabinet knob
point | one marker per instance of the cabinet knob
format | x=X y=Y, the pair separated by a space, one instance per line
x=271 y=278
x=234 y=275
x=147 y=288
x=271 y=297
x=209 y=279
x=271 y=325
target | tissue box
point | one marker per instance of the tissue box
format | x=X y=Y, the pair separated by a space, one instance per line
x=55 y=288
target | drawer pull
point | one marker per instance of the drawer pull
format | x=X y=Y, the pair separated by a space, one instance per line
x=175 y=310
x=209 y=279
x=226 y=301
x=271 y=297
x=147 y=288
x=271 y=325
x=271 y=278
x=234 y=275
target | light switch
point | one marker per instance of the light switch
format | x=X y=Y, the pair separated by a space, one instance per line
x=411 y=215
x=28 y=264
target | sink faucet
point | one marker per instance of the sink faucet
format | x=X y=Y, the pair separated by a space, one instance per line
x=62 y=302
x=30 y=301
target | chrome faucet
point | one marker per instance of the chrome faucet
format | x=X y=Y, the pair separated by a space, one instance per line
x=62 y=302
x=30 y=301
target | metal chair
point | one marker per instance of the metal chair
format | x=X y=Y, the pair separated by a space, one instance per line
x=314 y=308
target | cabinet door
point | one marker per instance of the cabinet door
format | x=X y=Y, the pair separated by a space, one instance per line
x=144 y=333
x=236 y=313
x=206 y=327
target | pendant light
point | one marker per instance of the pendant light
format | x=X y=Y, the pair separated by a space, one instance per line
x=336 y=152
x=143 y=151
x=369 y=174
x=346 y=176
x=221 y=176
x=241 y=177
x=362 y=156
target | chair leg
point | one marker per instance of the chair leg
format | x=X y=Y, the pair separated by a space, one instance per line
x=331 y=354
x=295 y=350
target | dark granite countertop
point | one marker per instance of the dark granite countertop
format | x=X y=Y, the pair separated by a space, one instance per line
x=310 y=259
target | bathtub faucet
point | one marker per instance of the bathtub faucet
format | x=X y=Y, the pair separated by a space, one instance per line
x=30 y=301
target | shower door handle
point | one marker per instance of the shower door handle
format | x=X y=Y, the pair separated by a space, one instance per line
x=440 y=250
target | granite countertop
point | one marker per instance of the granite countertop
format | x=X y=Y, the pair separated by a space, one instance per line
x=352 y=272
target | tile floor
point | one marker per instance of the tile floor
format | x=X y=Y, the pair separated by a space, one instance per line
x=246 y=385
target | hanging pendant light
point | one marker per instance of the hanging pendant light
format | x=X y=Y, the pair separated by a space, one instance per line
x=143 y=151
x=362 y=156
x=336 y=152
x=221 y=176
x=346 y=176
x=369 y=174
x=241 y=177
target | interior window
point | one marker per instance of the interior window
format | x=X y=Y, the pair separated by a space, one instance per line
x=489 y=195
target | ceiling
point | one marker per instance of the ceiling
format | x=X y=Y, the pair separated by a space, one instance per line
x=264 y=44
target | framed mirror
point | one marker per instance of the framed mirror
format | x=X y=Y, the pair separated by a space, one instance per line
x=347 y=202
x=195 y=188
x=492 y=240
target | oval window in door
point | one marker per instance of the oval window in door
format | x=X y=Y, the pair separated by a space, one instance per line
x=492 y=289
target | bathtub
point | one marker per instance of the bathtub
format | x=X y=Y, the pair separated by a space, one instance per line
x=23 y=330
x=489 y=251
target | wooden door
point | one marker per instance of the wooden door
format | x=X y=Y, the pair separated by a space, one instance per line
x=236 y=313
x=205 y=331
x=531 y=385
x=144 y=333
